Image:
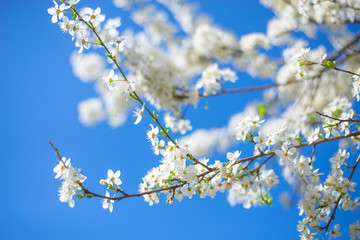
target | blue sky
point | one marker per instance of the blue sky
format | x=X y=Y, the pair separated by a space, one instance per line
x=39 y=102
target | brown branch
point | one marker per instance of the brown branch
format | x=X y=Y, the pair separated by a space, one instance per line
x=337 y=119
x=343 y=70
x=344 y=48
x=305 y=144
x=241 y=90
x=173 y=187
x=312 y=153
x=258 y=168
x=57 y=153
x=249 y=89
x=309 y=63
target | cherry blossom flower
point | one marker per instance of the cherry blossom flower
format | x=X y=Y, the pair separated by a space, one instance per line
x=152 y=135
x=107 y=203
x=158 y=148
x=286 y=153
x=233 y=156
x=335 y=232
x=61 y=167
x=111 y=178
x=314 y=136
x=138 y=114
x=110 y=78
x=93 y=16
x=355 y=230
x=82 y=41
x=57 y=12
x=351 y=205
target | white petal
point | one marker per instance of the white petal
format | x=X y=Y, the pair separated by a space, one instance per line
x=97 y=11
x=71 y=203
x=51 y=11
x=54 y=18
x=88 y=11
x=138 y=119
x=117 y=181
x=62 y=7
x=100 y=18
x=110 y=173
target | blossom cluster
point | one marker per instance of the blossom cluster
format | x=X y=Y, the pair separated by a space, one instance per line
x=251 y=186
x=177 y=125
x=319 y=199
x=71 y=178
x=211 y=78
x=112 y=181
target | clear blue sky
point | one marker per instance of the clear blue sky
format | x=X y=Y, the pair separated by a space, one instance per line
x=39 y=97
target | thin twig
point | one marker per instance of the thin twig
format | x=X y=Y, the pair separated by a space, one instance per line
x=337 y=119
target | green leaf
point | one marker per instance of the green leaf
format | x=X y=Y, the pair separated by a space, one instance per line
x=132 y=96
x=266 y=200
x=110 y=187
x=328 y=64
x=162 y=132
x=80 y=196
x=262 y=110
x=109 y=55
x=336 y=112
x=312 y=118
x=299 y=139
x=155 y=115
x=89 y=196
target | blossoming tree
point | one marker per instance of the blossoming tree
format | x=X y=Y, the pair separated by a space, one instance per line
x=174 y=63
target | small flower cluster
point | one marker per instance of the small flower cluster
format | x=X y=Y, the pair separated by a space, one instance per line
x=245 y=186
x=85 y=21
x=71 y=178
x=252 y=185
x=282 y=144
x=355 y=230
x=113 y=82
x=245 y=127
x=177 y=125
x=211 y=79
x=184 y=180
x=112 y=182
x=319 y=199
x=339 y=108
